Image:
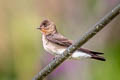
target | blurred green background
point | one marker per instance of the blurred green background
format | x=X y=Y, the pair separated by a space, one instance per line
x=21 y=52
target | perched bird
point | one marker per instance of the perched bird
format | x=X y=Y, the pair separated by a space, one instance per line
x=55 y=43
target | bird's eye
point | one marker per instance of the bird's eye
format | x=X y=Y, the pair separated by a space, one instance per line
x=45 y=24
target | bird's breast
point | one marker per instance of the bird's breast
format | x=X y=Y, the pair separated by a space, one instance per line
x=52 y=47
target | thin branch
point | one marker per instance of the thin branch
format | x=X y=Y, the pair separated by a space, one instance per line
x=68 y=52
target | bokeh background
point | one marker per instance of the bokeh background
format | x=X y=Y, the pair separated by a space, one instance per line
x=21 y=52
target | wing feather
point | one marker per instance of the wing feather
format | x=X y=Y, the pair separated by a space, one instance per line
x=59 y=39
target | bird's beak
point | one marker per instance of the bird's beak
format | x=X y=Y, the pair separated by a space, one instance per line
x=38 y=28
x=41 y=29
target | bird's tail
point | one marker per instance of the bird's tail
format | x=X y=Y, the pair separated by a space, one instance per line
x=96 y=55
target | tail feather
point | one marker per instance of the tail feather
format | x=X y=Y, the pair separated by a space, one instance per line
x=89 y=51
x=98 y=53
x=98 y=57
x=94 y=55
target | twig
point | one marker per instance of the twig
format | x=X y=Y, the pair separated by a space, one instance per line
x=68 y=52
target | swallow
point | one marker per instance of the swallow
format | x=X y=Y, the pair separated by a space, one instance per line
x=56 y=44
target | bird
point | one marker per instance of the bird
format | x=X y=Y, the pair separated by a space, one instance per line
x=55 y=43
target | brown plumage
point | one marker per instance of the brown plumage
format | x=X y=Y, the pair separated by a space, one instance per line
x=49 y=30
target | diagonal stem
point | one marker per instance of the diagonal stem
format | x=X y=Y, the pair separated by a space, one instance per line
x=68 y=52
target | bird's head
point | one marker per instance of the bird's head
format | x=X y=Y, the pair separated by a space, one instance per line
x=47 y=27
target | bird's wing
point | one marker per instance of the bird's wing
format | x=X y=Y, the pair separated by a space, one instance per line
x=63 y=41
x=59 y=39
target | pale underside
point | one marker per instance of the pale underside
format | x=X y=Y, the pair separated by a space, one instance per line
x=55 y=49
